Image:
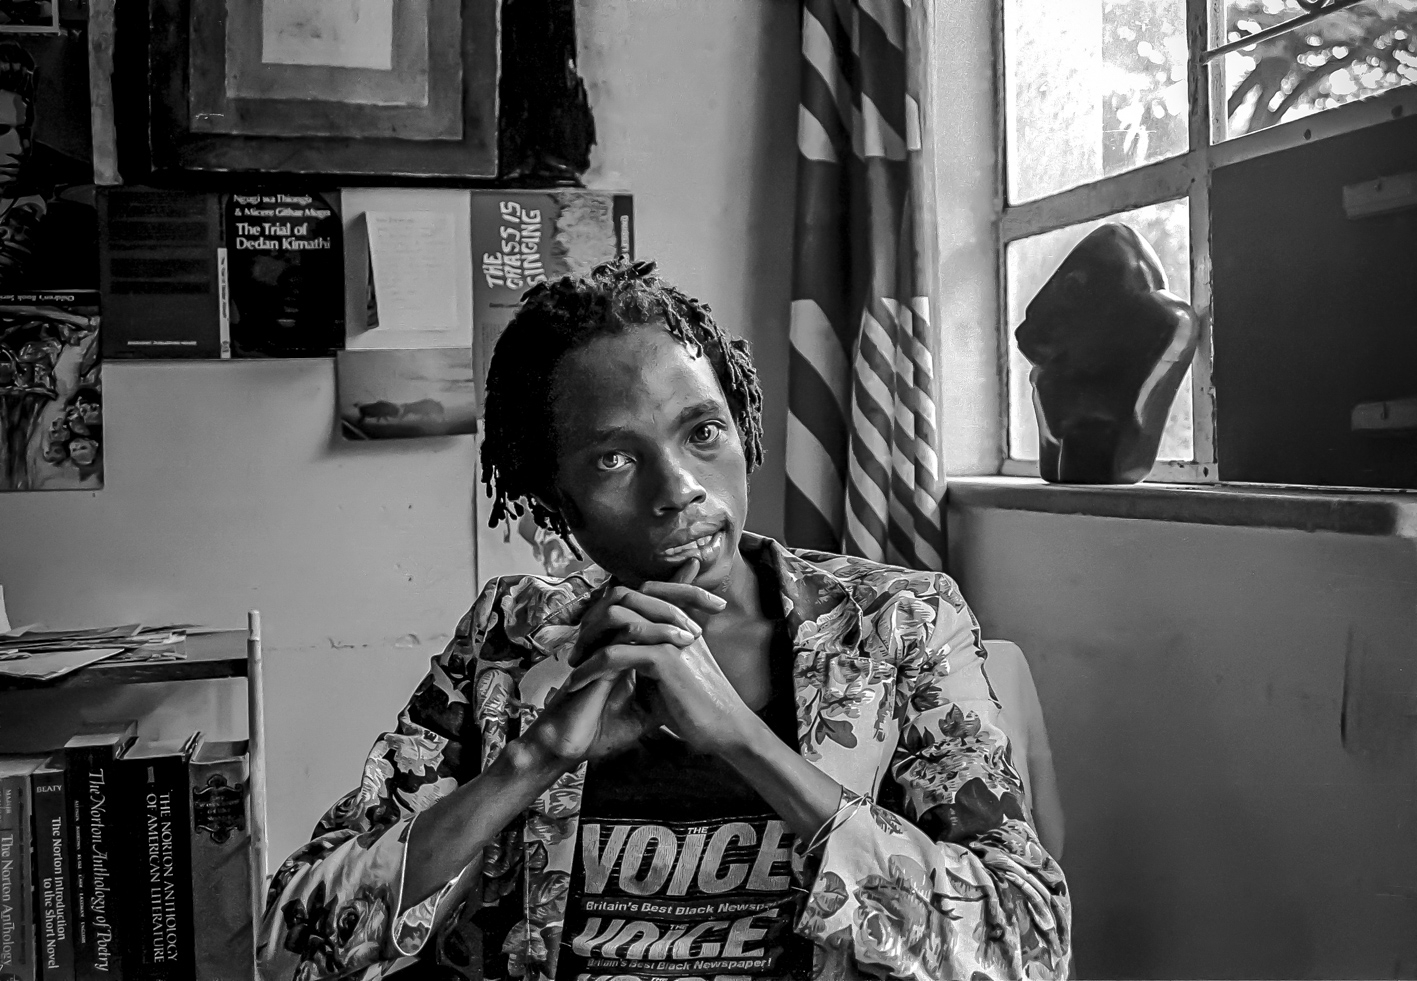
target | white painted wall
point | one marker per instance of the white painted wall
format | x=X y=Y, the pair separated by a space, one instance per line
x=229 y=488
x=1195 y=681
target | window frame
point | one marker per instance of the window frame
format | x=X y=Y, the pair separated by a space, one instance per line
x=1186 y=175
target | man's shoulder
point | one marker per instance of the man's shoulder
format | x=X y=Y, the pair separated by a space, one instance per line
x=532 y=599
x=860 y=575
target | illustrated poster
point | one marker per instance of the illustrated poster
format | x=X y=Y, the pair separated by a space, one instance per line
x=51 y=398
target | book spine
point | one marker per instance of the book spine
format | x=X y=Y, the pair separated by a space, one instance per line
x=17 y=951
x=221 y=870
x=159 y=933
x=53 y=901
x=622 y=210
x=97 y=937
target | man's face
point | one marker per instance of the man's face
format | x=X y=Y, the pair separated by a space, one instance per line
x=650 y=467
x=14 y=143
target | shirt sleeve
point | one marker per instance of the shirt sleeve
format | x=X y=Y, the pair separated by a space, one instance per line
x=950 y=881
x=332 y=910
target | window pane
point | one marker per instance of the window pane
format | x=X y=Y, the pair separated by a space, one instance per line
x=1344 y=56
x=1092 y=87
x=1029 y=263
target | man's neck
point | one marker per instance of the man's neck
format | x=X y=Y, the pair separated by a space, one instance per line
x=742 y=590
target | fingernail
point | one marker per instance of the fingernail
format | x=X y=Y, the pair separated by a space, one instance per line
x=683 y=636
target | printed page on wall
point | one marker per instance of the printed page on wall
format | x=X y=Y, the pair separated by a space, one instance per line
x=408 y=268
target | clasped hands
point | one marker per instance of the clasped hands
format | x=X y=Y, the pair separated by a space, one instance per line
x=641 y=662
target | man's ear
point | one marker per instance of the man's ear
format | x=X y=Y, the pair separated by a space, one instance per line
x=558 y=503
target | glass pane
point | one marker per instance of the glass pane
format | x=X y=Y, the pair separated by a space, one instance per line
x=1344 y=56
x=1092 y=87
x=1029 y=263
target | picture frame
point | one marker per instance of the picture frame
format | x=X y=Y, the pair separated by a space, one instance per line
x=29 y=17
x=190 y=97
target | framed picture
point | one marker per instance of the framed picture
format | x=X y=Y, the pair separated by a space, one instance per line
x=403 y=88
x=29 y=16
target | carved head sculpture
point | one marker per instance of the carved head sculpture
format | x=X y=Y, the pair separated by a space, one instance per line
x=1110 y=345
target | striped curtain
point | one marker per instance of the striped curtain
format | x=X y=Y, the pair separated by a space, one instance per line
x=864 y=474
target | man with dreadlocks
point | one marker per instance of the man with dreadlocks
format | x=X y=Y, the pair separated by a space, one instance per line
x=719 y=758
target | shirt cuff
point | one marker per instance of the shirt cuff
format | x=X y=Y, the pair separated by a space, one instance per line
x=413 y=927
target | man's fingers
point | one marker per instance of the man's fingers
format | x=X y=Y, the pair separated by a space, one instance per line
x=687 y=572
x=624 y=622
x=685 y=596
x=611 y=662
x=659 y=609
x=645 y=632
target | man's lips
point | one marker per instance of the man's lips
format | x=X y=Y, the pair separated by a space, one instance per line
x=682 y=546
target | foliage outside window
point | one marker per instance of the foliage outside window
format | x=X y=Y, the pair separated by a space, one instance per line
x=1112 y=111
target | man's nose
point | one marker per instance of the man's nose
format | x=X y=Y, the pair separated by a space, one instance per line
x=678 y=488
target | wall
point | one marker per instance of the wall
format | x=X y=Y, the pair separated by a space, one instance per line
x=1231 y=712
x=696 y=111
x=228 y=487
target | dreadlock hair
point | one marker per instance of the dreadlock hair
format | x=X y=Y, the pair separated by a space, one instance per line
x=519 y=443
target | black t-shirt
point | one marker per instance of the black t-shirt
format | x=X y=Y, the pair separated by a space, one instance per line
x=682 y=870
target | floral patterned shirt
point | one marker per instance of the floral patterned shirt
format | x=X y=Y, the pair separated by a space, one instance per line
x=930 y=870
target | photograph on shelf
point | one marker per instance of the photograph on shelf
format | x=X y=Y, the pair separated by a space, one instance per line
x=372 y=87
x=48 y=223
x=51 y=399
x=387 y=394
x=29 y=16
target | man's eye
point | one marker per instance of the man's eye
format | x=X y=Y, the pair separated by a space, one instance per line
x=612 y=461
x=709 y=432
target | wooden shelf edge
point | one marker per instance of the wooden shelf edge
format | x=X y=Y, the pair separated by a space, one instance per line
x=217 y=654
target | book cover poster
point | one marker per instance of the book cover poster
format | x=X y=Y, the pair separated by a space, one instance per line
x=521 y=238
x=51 y=397
x=284 y=274
x=388 y=394
x=158 y=273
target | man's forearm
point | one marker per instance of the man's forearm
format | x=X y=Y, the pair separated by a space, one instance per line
x=802 y=795
x=451 y=833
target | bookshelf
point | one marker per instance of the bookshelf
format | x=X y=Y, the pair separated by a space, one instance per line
x=221 y=654
x=209 y=655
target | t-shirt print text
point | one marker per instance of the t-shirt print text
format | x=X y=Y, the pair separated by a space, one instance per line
x=683 y=900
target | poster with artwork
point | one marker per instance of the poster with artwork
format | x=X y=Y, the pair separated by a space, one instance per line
x=48 y=219
x=51 y=397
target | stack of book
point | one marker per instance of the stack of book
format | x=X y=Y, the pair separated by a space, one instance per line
x=123 y=857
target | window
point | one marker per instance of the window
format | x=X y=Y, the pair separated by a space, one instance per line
x=1125 y=110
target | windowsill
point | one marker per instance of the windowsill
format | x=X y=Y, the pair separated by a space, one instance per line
x=1347 y=512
